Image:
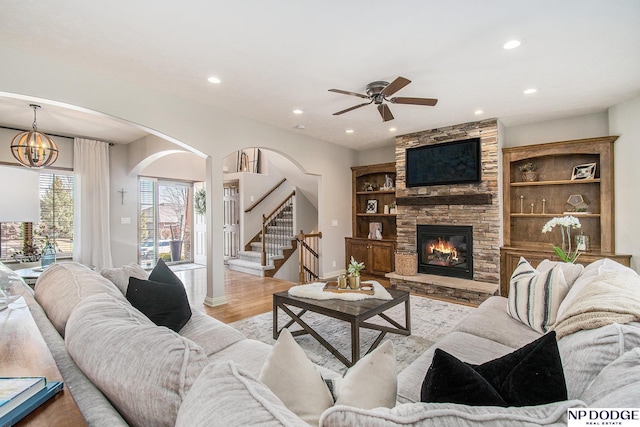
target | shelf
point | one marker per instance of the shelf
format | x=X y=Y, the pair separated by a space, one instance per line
x=557 y=182
x=360 y=193
x=550 y=215
x=375 y=214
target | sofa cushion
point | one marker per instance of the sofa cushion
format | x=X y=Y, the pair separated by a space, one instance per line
x=617 y=385
x=450 y=415
x=456 y=343
x=166 y=304
x=120 y=276
x=531 y=375
x=586 y=353
x=492 y=321
x=144 y=370
x=62 y=285
x=226 y=395
x=209 y=333
x=534 y=297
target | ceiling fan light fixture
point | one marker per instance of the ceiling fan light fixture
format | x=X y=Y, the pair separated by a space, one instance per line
x=34 y=149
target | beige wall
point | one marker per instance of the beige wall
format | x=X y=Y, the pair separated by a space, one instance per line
x=624 y=120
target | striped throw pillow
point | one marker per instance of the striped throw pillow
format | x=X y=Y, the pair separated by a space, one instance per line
x=534 y=297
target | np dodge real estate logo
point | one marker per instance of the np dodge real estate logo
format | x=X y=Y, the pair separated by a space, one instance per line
x=627 y=417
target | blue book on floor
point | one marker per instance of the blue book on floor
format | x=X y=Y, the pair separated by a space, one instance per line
x=26 y=407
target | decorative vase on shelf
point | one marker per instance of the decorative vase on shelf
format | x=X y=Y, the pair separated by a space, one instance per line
x=48 y=255
x=529 y=176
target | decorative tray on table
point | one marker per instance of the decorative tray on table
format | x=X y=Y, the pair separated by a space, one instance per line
x=333 y=287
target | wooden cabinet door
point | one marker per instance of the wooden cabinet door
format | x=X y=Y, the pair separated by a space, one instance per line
x=382 y=257
x=358 y=249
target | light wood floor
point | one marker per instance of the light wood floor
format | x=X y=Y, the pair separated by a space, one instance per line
x=247 y=295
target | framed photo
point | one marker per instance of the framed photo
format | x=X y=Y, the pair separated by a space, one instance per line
x=586 y=171
x=372 y=206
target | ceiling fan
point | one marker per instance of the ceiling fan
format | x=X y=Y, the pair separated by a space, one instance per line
x=378 y=92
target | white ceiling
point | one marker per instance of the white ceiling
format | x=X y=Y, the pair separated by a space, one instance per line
x=274 y=56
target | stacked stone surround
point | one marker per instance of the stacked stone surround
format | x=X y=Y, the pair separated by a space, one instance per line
x=484 y=218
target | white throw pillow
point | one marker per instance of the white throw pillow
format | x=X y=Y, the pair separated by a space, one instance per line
x=294 y=379
x=534 y=297
x=370 y=383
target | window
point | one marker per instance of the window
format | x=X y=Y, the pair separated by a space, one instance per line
x=165 y=212
x=56 y=220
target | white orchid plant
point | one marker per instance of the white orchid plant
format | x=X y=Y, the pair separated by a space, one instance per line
x=566 y=223
x=355 y=267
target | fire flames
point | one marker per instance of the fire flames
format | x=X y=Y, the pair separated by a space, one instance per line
x=443 y=250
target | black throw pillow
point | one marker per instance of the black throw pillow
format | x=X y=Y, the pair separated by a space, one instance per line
x=165 y=304
x=163 y=274
x=531 y=375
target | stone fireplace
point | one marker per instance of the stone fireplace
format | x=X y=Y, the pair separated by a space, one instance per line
x=474 y=205
x=445 y=250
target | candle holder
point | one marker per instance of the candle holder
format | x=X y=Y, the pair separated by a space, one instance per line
x=521 y=204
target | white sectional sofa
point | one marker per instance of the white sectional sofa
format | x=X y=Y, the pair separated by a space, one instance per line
x=122 y=369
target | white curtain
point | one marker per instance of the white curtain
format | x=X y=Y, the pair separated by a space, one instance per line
x=91 y=231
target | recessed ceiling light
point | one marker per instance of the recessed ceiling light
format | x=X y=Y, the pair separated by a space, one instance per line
x=512 y=44
x=214 y=80
x=392 y=129
x=478 y=112
x=530 y=91
x=300 y=126
x=297 y=111
x=349 y=131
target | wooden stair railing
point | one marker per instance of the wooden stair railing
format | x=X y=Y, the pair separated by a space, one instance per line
x=309 y=256
x=267 y=194
x=271 y=246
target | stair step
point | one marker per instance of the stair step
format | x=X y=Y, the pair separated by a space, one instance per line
x=249 y=267
x=257 y=246
x=256 y=256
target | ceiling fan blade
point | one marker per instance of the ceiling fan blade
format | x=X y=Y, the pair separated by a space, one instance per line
x=415 y=101
x=395 y=86
x=344 y=92
x=351 y=108
x=385 y=112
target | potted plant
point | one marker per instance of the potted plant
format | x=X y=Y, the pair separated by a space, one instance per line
x=354 y=273
x=529 y=173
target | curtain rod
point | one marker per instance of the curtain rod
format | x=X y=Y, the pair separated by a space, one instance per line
x=111 y=144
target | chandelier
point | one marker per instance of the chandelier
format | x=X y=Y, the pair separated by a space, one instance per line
x=32 y=148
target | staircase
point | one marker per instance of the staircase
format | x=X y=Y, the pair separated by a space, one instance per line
x=279 y=237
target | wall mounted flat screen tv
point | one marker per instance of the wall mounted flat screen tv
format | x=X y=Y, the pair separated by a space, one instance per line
x=447 y=163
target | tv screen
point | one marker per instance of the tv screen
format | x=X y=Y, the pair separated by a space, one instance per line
x=447 y=163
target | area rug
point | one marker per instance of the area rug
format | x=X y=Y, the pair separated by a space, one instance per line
x=430 y=320
x=185 y=267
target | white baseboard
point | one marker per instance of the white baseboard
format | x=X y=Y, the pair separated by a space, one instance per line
x=214 y=302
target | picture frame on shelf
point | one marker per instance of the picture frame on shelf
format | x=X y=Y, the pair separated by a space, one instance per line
x=372 y=206
x=585 y=171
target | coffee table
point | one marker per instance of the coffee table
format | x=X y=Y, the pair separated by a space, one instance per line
x=356 y=313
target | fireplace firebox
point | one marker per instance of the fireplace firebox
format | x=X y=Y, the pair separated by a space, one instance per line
x=445 y=250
